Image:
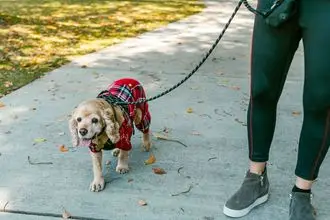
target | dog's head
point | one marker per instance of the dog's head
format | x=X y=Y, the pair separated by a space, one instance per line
x=90 y=119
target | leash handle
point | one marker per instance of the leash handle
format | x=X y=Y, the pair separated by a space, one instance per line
x=264 y=14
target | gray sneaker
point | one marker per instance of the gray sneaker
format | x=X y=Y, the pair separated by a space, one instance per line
x=301 y=207
x=253 y=192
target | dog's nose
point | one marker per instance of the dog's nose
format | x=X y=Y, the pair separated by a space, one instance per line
x=83 y=131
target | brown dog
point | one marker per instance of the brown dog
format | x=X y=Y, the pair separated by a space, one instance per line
x=101 y=125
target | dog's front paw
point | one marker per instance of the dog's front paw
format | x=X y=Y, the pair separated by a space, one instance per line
x=97 y=185
x=122 y=169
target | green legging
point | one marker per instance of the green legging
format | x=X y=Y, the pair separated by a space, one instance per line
x=271 y=56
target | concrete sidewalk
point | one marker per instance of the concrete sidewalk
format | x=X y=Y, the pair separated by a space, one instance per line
x=214 y=161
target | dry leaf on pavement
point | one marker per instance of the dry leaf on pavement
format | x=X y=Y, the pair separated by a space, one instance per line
x=151 y=160
x=40 y=140
x=189 y=110
x=296 y=113
x=142 y=203
x=159 y=171
x=2 y=105
x=63 y=148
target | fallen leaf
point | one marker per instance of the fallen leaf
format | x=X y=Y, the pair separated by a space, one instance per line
x=63 y=148
x=142 y=203
x=296 y=113
x=159 y=171
x=84 y=66
x=189 y=110
x=66 y=214
x=160 y=136
x=2 y=105
x=130 y=180
x=151 y=160
x=61 y=134
x=40 y=140
x=108 y=162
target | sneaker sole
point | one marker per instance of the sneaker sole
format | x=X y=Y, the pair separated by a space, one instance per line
x=240 y=213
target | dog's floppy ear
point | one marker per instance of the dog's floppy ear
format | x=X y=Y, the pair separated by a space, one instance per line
x=112 y=126
x=73 y=130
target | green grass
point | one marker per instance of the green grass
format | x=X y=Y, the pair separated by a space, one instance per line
x=37 y=36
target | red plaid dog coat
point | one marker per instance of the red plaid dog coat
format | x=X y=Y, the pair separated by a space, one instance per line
x=129 y=90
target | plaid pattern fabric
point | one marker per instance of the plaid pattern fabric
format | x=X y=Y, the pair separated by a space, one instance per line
x=129 y=90
x=125 y=133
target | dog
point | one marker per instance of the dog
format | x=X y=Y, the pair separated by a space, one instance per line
x=100 y=124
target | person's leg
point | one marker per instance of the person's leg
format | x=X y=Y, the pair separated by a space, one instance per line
x=271 y=55
x=315 y=134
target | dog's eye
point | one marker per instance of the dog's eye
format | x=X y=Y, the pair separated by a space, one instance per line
x=79 y=119
x=94 y=120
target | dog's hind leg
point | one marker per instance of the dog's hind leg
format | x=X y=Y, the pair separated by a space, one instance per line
x=146 y=141
x=142 y=123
